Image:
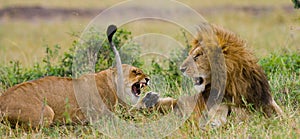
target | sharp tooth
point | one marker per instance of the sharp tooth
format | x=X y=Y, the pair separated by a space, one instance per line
x=143 y=80
x=141 y=85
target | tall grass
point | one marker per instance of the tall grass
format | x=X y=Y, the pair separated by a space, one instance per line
x=283 y=70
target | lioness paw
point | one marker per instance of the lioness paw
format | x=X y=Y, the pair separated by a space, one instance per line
x=150 y=99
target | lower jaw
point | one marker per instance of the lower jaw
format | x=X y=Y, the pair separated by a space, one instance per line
x=199 y=88
x=135 y=95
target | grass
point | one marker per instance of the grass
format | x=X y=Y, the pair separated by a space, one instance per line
x=23 y=41
x=283 y=74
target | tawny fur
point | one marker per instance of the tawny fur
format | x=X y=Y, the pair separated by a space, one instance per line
x=246 y=80
x=49 y=99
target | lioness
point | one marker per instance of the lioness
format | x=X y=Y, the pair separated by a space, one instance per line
x=48 y=99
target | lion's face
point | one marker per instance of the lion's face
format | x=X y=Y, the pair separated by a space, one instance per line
x=196 y=66
x=135 y=80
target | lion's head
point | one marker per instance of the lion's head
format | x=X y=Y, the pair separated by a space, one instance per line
x=237 y=57
x=196 y=66
x=135 y=80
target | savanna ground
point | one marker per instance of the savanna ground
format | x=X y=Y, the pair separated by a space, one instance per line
x=271 y=28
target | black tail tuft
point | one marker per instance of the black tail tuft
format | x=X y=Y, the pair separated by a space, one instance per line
x=111 y=30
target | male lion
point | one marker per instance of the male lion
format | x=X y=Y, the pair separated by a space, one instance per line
x=48 y=99
x=246 y=81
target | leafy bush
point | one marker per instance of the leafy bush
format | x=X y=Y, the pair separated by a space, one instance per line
x=93 y=53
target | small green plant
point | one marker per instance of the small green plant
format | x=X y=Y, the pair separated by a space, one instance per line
x=281 y=63
x=296 y=4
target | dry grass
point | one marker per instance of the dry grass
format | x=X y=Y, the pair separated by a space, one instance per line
x=23 y=40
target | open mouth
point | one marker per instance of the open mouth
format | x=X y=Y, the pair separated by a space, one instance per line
x=136 y=88
x=198 y=80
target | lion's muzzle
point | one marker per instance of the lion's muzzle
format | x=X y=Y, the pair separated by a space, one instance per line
x=136 y=87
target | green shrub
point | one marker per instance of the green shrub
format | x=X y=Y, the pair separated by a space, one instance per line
x=88 y=56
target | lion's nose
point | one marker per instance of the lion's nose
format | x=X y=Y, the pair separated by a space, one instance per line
x=182 y=69
x=147 y=80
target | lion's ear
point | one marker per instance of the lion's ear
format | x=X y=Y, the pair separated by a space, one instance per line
x=224 y=48
x=196 y=42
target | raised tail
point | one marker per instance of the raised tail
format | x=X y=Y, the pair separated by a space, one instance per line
x=111 y=30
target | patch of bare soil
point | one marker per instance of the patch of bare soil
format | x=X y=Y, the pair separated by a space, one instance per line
x=39 y=12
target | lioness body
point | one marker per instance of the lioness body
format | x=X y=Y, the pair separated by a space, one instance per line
x=51 y=99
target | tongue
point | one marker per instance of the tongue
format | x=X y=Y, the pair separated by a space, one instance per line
x=134 y=89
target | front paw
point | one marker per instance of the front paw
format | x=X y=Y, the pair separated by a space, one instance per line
x=150 y=99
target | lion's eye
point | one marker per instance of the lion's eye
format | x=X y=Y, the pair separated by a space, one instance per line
x=136 y=72
x=196 y=57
